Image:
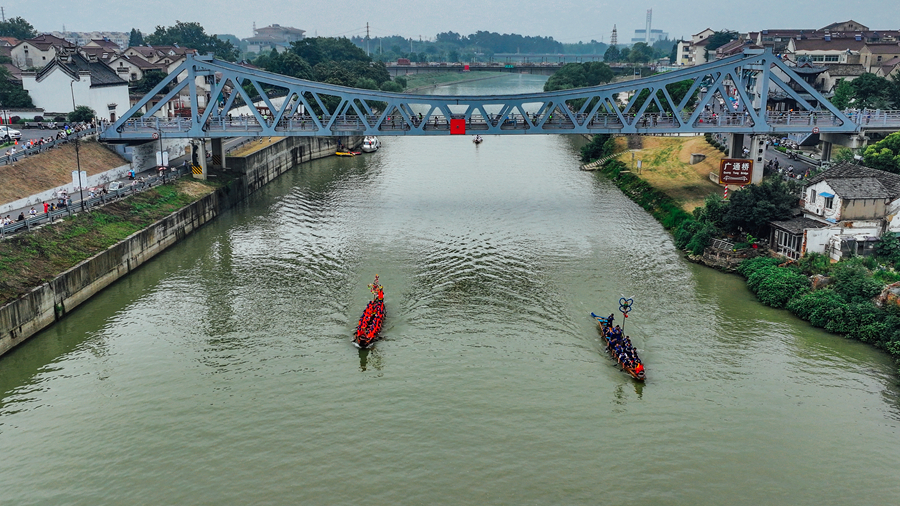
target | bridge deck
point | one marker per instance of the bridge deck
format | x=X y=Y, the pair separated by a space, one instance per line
x=729 y=95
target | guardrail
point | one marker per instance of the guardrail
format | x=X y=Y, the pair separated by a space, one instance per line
x=101 y=199
x=8 y=159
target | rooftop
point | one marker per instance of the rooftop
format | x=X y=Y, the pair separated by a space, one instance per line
x=888 y=183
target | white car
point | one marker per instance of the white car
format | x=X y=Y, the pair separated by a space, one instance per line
x=9 y=133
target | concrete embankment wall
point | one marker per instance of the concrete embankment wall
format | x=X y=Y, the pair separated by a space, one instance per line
x=49 y=302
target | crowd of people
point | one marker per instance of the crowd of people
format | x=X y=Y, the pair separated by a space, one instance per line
x=22 y=148
x=371 y=321
x=620 y=347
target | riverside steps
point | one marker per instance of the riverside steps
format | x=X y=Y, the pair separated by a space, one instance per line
x=256 y=166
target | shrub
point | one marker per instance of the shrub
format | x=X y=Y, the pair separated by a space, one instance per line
x=776 y=286
x=20 y=121
x=751 y=265
x=82 y=113
x=401 y=81
x=59 y=119
x=391 y=86
x=701 y=238
x=815 y=263
x=854 y=282
x=39 y=118
x=813 y=306
x=14 y=119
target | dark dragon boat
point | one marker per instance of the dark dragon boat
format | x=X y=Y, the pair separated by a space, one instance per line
x=620 y=348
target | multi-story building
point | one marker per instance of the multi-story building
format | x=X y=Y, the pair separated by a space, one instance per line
x=275 y=37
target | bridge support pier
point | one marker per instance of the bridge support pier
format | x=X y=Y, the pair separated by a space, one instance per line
x=218 y=153
x=198 y=159
x=757 y=154
x=826 y=151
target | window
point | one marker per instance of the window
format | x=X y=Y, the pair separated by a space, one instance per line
x=879 y=59
x=831 y=57
x=829 y=202
x=817 y=57
x=812 y=196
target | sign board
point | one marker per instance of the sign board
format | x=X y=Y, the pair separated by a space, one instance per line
x=457 y=127
x=815 y=130
x=162 y=158
x=76 y=183
x=735 y=171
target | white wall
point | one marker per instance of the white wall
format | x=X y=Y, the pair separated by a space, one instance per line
x=817 y=239
x=54 y=95
x=817 y=207
x=893 y=216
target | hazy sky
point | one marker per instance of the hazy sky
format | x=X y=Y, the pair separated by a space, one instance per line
x=564 y=20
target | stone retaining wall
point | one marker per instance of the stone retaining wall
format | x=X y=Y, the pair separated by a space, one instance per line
x=49 y=302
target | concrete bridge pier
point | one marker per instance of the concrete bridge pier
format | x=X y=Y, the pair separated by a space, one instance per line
x=199 y=164
x=757 y=154
x=218 y=153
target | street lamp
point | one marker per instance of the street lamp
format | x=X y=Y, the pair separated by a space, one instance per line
x=77 y=157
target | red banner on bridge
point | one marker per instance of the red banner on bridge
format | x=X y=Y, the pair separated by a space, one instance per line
x=735 y=171
x=457 y=127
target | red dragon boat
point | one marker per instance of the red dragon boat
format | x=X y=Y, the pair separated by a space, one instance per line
x=372 y=320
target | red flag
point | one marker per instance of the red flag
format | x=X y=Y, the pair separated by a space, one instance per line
x=457 y=127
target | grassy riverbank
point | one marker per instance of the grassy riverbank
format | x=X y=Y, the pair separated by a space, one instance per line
x=666 y=167
x=29 y=259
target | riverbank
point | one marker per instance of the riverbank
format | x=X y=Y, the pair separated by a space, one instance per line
x=46 y=273
x=842 y=304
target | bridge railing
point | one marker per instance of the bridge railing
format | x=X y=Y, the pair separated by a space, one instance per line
x=599 y=121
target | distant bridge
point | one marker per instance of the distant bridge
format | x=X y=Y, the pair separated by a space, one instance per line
x=731 y=95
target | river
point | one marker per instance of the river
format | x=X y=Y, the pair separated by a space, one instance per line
x=222 y=371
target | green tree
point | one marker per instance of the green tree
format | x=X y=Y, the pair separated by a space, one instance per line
x=884 y=154
x=136 y=38
x=391 y=86
x=148 y=82
x=12 y=95
x=612 y=55
x=364 y=83
x=752 y=208
x=17 y=27
x=870 y=91
x=192 y=35
x=640 y=53
x=720 y=38
x=843 y=94
x=82 y=113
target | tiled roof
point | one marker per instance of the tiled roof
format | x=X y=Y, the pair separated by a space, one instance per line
x=884 y=48
x=858 y=188
x=73 y=63
x=45 y=41
x=842 y=44
x=845 y=69
x=139 y=62
x=888 y=183
x=798 y=225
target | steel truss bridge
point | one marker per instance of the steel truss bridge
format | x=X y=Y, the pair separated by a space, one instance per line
x=733 y=95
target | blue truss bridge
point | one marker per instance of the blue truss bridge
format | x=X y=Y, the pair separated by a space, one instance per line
x=754 y=93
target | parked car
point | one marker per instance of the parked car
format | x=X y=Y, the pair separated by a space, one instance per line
x=115 y=185
x=7 y=133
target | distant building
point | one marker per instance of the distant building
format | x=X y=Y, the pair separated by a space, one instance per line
x=275 y=37
x=38 y=51
x=121 y=39
x=655 y=36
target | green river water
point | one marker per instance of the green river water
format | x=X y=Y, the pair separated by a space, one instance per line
x=222 y=371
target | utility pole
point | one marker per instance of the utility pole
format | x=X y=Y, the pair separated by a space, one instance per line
x=367 y=38
x=3 y=14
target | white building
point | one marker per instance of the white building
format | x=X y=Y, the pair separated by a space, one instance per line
x=93 y=84
x=846 y=209
x=37 y=52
